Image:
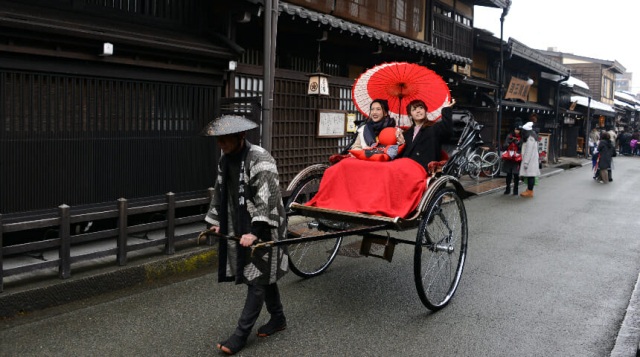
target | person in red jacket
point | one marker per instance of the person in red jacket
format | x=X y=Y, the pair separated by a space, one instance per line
x=511 y=168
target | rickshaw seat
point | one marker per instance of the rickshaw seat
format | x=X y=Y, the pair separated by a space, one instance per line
x=391 y=189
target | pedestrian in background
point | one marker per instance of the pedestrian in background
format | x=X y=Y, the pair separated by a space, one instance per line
x=533 y=118
x=633 y=145
x=613 y=136
x=594 y=136
x=247 y=204
x=530 y=165
x=511 y=168
x=635 y=136
x=606 y=152
x=624 y=142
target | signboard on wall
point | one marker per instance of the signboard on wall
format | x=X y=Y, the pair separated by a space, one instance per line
x=332 y=123
x=518 y=89
x=543 y=146
x=351 y=123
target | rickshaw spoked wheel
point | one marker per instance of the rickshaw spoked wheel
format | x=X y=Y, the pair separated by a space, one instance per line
x=441 y=249
x=312 y=258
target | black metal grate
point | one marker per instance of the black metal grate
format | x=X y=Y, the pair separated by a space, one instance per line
x=78 y=140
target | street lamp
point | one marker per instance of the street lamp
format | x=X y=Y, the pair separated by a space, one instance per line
x=505 y=11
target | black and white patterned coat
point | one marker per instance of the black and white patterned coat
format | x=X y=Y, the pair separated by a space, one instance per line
x=264 y=203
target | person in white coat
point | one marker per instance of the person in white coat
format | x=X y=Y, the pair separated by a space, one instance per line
x=529 y=166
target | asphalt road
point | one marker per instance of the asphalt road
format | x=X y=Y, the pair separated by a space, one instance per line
x=548 y=276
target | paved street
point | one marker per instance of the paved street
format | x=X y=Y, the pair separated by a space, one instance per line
x=548 y=276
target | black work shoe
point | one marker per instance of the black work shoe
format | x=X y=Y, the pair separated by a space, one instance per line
x=232 y=345
x=507 y=191
x=274 y=325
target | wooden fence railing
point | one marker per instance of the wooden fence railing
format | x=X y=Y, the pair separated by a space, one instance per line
x=65 y=242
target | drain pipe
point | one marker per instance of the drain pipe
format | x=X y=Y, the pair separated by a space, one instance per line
x=556 y=140
x=588 y=128
x=505 y=11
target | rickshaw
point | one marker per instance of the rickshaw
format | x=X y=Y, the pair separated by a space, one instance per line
x=440 y=247
x=315 y=234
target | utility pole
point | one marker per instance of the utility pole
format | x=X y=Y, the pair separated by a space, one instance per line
x=270 y=35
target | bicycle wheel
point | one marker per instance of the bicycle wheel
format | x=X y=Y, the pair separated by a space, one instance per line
x=441 y=249
x=474 y=166
x=308 y=259
x=491 y=164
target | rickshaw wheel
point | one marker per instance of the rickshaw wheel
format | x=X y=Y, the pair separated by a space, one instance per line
x=312 y=258
x=441 y=249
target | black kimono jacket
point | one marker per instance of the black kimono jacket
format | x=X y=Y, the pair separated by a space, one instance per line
x=427 y=146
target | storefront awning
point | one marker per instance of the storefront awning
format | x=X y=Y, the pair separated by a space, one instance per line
x=528 y=106
x=371 y=33
x=479 y=83
x=570 y=112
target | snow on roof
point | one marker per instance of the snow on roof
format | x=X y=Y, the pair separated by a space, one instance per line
x=584 y=101
x=573 y=81
x=626 y=97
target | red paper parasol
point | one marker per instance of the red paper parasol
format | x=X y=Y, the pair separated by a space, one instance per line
x=400 y=83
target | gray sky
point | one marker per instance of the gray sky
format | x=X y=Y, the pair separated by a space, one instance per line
x=605 y=30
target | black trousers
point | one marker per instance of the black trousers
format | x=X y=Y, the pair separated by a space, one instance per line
x=258 y=295
x=531 y=181
x=516 y=180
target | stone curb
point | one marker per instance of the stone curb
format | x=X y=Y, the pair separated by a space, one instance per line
x=58 y=292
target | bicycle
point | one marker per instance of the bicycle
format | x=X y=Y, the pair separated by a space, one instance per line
x=470 y=163
x=465 y=159
x=488 y=162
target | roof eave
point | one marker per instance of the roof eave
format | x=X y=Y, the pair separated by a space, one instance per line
x=357 y=29
x=500 y=4
x=521 y=50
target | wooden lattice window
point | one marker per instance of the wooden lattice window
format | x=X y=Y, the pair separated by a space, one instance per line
x=65 y=104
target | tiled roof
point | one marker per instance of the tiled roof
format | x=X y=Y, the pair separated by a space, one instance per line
x=366 y=31
x=521 y=50
x=500 y=4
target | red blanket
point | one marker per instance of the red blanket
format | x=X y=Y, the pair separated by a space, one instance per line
x=392 y=188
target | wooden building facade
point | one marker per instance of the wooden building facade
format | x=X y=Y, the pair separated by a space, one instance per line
x=596 y=105
x=341 y=39
x=82 y=125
